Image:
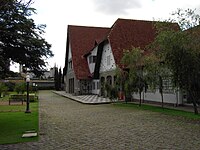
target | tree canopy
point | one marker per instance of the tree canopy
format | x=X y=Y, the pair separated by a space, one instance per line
x=135 y=80
x=174 y=54
x=180 y=50
x=21 y=39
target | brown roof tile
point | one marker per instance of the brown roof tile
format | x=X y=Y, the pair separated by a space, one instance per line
x=126 y=34
x=82 y=39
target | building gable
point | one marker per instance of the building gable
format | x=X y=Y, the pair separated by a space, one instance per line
x=126 y=34
x=107 y=60
x=81 y=40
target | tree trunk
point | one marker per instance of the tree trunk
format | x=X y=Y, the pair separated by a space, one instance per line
x=161 y=88
x=140 y=98
x=162 y=99
x=194 y=103
x=195 y=107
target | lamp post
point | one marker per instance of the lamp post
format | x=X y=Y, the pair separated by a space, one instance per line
x=27 y=96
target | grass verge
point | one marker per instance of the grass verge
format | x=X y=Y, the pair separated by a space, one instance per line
x=14 y=122
x=167 y=111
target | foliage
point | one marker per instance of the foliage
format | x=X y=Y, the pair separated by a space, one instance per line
x=108 y=89
x=103 y=89
x=56 y=79
x=114 y=92
x=186 y=18
x=10 y=86
x=121 y=77
x=155 y=72
x=180 y=50
x=21 y=39
x=111 y=90
x=135 y=81
x=60 y=79
x=20 y=87
x=3 y=89
x=4 y=70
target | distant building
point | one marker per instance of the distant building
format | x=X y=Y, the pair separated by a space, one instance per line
x=52 y=72
x=46 y=74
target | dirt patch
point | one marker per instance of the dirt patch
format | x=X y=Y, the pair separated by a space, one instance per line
x=4 y=103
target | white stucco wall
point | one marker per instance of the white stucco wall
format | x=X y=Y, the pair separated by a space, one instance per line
x=70 y=52
x=107 y=51
x=92 y=65
x=172 y=98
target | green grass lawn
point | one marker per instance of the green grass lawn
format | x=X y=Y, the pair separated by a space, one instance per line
x=167 y=111
x=14 y=122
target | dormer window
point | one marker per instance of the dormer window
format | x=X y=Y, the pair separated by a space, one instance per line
x=92 y=59
x=70 y=64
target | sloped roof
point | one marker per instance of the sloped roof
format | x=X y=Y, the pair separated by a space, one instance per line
x=126 y=34
x=82 y=39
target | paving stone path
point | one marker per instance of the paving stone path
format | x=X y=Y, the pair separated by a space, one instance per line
x=69 y=125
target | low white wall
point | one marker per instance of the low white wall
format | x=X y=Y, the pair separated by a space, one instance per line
x=172 y=98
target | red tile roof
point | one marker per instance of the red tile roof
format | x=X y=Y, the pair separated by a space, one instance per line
x=82 y=39
x=123 y=35
x=126 y=34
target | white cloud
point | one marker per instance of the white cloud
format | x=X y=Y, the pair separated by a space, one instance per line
x=60 y=13
x=116 y=7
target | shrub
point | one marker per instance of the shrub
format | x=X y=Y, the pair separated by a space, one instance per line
x=114 y=93
x=10 y=85
x=108 y=88
x=20 y=87
x=3 y=89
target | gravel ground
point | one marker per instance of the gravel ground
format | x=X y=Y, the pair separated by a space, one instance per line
x=66 y=125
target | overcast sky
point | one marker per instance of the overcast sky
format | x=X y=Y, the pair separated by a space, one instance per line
x=58 y=14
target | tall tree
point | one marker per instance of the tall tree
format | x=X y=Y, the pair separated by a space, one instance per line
x=135 y=82
x=56 y=79
x=180 y=50
x=156 y=72
x=21 y=39
x=121 y=77
x=60 y=79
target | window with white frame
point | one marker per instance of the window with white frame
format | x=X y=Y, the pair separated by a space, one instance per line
x=92 y=59
x=167 y=84
x=70 y=64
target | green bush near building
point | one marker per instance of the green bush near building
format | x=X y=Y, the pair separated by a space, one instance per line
x=20 y=87
x=3 y=90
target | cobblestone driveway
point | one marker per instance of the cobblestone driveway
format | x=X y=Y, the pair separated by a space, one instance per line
x=65 y=124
